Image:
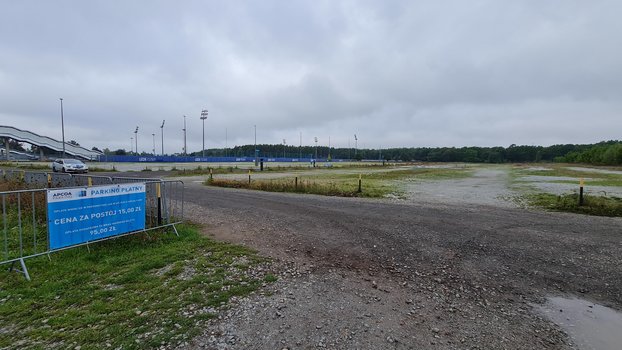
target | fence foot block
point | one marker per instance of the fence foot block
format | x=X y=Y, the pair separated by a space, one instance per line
x=23 y=271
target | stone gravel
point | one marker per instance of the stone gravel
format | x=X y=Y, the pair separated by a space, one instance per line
x=381 y=274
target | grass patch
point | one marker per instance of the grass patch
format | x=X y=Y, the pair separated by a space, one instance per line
x=138 y=292
x=375 y=184
x=275 y=167
x=46 y=167
x=593 y=178
x=593 y=182
x=332 y=188
x=206 y=171
x=94 y=169
x=592 y=205
x=27 y=166
x=422 y=174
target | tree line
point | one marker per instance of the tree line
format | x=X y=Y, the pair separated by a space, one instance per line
x=602 y=153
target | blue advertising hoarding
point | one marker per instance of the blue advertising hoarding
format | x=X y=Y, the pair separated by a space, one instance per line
x=83 y=214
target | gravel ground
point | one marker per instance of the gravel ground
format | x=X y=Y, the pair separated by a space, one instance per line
x=446 y=272
x=486 y=186
x=369 y=274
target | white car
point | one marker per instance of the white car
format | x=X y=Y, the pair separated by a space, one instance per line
x=69 y=166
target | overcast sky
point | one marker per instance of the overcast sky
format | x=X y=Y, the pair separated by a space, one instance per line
x=396 y=73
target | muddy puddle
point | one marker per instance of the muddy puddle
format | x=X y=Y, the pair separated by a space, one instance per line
x=590 y=326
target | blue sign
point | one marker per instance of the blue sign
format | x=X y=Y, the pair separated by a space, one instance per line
x=83 y=214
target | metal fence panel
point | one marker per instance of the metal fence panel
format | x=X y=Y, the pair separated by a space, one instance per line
x=61 y=180
x=24 y=226
x=91 y=180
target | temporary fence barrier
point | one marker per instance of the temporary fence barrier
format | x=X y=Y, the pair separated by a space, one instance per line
x=26 y=221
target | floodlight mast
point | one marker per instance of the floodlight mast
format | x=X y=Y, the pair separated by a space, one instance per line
x=256 y=154
x=162 y=132
x=62 y=123
x=185 y=144
x=316 y=148
x=356 y=140
x=203 y=117
x=136 y=139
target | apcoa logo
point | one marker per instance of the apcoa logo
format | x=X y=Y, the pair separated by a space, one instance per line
x=62 y=195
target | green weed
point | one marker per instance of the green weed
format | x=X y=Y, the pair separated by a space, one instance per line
x=137 y=292
x=592 y=205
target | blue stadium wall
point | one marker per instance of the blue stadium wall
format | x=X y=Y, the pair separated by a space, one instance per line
x=174 y=159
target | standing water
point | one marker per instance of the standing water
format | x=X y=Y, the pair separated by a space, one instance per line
x=591 y=326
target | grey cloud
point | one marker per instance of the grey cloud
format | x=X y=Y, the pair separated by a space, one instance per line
x=397 y=73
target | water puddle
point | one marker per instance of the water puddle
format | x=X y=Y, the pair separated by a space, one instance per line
x=591 y=326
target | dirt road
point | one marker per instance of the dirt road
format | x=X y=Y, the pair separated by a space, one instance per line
x=372 y=274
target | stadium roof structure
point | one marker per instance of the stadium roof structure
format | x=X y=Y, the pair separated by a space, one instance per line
x=47 y=142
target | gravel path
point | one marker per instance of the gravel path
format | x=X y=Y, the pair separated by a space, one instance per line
x=369 y=274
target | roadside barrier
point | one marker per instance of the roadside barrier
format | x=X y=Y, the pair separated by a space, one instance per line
x=67 y=211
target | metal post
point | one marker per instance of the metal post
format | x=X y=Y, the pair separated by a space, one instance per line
x=316 y=149
x=62 y=123
x=256 y=155
x=136 y=139
x=185 y=145
x=203 y=117
x=159 y=199
x=329 y=148
x=360 y=183
x=162 y=132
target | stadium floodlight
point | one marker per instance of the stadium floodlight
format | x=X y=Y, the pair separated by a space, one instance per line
x=62 y=125
x=136 y=139
x=162 y=132
x=203 y=117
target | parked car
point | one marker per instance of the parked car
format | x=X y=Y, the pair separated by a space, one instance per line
x=69 y=166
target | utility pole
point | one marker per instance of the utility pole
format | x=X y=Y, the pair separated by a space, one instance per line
x=316 y=148
x=62 y=125
x=256 y=154
x=300 y=147
x=203 y=117
x=162 y=132
x=185 y=145
x=356 y=140
x=284 y=143
x=136 y=139
x=329 y=147
x=153 y=143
